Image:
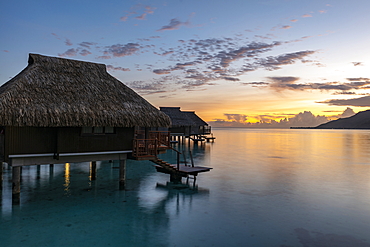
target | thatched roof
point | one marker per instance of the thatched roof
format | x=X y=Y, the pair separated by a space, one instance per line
x=182 y=118
x=55 y=92
x=194 y=118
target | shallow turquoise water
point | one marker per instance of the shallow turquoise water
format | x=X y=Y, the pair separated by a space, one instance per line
x=267 y=188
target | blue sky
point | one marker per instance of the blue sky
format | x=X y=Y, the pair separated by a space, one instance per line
x=233 y=62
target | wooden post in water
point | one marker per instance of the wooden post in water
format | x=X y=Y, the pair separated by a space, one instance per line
x=93 y=170
x=191 y=158
x=122 y=174
x=175 y=178
x=51 y=172
x=16 y=185
x=38 y=175
x=1 y=175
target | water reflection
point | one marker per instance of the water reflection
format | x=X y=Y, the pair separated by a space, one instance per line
x=267 y=188
x=66 y=179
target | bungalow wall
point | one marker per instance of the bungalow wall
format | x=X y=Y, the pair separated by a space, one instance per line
x=185 y=130
x=40 y=140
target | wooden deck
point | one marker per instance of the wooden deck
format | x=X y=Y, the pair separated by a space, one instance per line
x=188 y=170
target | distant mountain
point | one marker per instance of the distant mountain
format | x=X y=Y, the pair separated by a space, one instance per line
x=360 y=120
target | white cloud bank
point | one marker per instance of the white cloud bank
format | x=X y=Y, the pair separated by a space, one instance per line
x=302 y=119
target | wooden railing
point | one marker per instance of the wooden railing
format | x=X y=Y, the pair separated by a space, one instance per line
x=145 y=148
x=148 y=147
x=162 y=136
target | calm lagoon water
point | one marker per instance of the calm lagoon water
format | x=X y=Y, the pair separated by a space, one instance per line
x=268 y=188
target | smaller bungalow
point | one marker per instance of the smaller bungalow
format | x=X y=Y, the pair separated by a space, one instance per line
x=59 y=110
x=186 y=123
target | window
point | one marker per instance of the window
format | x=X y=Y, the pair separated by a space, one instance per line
x=109 y=130
x=87 y=130
x=97 y=130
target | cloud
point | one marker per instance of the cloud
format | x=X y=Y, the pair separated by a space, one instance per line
x=68 y=42
x=357 y=63
x=302 y=119
x=344 y=93
x=227 y=78
x=124 y=18
x=84 y=52
x=69 y=53
x=104 y=57
x=283 y=79
x=206 y=60
x=347 y=113
x=138 y=9
x=111 y=67
x=359 y=79
x=282 y=82
x=141 y=17
x=256 y=83
x=197 y=62
x=56 y=35
x=149 y=9
x=236 y=117
x=274 y=63
x=286 y=27
x=360 y=102
x=86 y=44
x=174 y=25
x=161 y=71
x=250 y=50
x=289 y=83
x=120 y=50
x=306 y=15
x=164 y=53
x=148 y=88
x=306 y=119
x=294 y=20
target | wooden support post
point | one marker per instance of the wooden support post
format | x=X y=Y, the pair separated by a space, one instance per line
x=38 y=173
x=93 y=171
x=175 y=178
x=51 y=169
x=191 y=158
x=16 y=185
x=1 y=175
x=1 y=170
x=183 y=154
x=122 y=174
x=51 y=172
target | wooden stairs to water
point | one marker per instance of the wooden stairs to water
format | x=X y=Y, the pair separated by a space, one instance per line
x=148 y=149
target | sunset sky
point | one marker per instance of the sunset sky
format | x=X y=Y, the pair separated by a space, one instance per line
x=236 y=63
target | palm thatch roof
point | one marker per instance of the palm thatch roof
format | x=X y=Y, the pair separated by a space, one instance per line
x=55 y=92
x=182 y=118
x=194 y=118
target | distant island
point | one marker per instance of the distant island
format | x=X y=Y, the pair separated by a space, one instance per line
x=360 y=120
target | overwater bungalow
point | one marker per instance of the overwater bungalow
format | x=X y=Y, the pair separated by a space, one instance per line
x=59 y=111
x=187 y=124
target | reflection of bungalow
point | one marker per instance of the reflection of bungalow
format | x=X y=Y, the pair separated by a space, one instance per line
x=186 y=123
x=60 y=110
